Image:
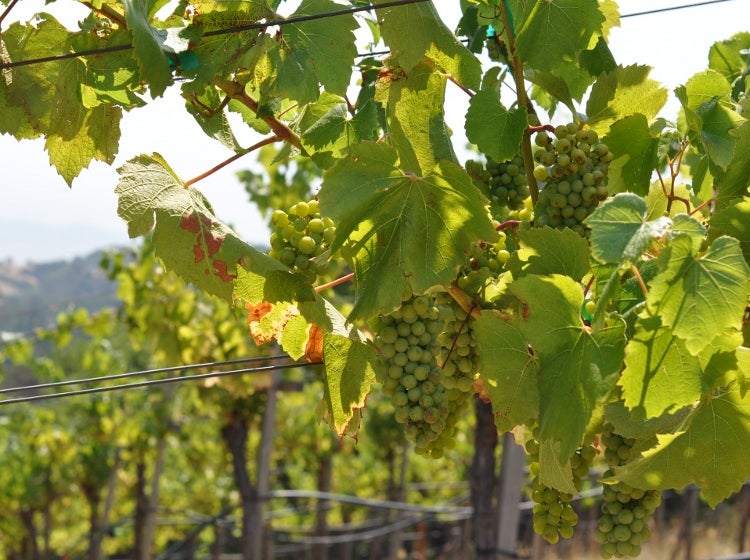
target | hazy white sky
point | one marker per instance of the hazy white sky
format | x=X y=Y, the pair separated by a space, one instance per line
x=41 y=219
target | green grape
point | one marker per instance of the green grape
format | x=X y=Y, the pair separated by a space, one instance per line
x=553 y=515
x=575 y=167
x=622 y=526
x=300 y=235
x=507 y=183
x=407 y=341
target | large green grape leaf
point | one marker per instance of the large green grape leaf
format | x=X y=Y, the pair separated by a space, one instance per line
x=734 y=220
x=187 y=236
x=414 y=229
x=710 y=451
x=635 y=152
x=46 y=98
x=577 y=368
x=660 y=374
x=550 y=251
x=502 y=139
x=620 y=230
x=622 y=92
x=553 y=31
x=509 y=372
x=414 y=32
x=701 y=298
x=150 y=44
x=703 y=87
x=415 y=109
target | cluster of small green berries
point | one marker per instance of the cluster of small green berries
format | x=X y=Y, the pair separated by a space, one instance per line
x=553 y=515
x=408 y=343
x=623 y=526
x=574 y=166
x=485 y=260
x=301 y=235
x=458 y=352
x=508 y=184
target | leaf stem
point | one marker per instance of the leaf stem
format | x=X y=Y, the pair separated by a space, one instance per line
x=334 y=283
x=638 y=277
x=516 y=67
x=508 y=224
x=238 y=155
x=280 y=129
x=462 y=87
x=463 y=299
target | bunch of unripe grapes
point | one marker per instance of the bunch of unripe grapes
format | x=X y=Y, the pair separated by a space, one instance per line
x=458 y=353
x=408 y=343
x=485 y=260
x=574 y=165
x=301 y=235
x=508 y=184
x=553 y=515
x=623 y=526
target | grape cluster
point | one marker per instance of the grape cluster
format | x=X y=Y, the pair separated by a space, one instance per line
x=623 y=526
x=574 y=166
x=301 y=235
x=408 y=341
x=553 y=515
x=508 y=184
x=485 y=260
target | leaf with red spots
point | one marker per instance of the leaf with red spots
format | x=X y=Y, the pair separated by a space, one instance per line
x=188 y=238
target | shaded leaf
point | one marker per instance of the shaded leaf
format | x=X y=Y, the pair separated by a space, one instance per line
x=501 y=139
x=550 y=251
x=635 y=155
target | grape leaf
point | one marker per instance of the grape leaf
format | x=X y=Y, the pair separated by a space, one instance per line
x=702 y=299
x=415 y=108
x=553 y=31
x=204 y=103
x=187 y=236
x=635 y=152
x=550 y=251
x=704 y=87
x=500 y=141
x=577 y=368
x=509 y=372
x=149 y=45
x=717 y=125
x=555 y=472
x=660 y=375
x=417 y=227
x=729 y=59
x=732 y=185
x=619 y=230
x=327 y=128
x=48 y=98
x=622 y=92
x=416 y=31
x=710 y=451
x=734 y=220
x=322 y=48
x=684 y=224
x=349 y=375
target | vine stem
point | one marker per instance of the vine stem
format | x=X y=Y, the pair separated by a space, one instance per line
x=109 y=13
x=334 y=283
x=508 y=224
x=238 y=155
x=7 y=10
x=516 y=67
x=237 y=91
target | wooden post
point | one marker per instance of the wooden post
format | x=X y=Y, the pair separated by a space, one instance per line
x=511 y=484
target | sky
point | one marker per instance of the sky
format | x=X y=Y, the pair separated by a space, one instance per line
x=42 y=219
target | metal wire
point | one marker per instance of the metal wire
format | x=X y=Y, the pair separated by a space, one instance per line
x=126 y=386
x=170 y=369
x=227 y=31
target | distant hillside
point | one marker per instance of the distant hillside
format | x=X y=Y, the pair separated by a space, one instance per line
x=31 y=295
